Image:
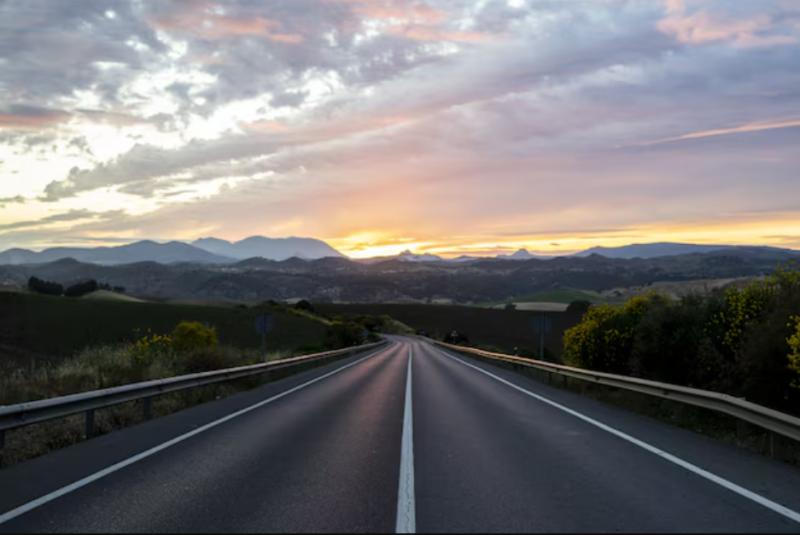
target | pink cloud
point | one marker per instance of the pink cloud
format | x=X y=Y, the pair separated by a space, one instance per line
x=704 y=26
x=202 y=20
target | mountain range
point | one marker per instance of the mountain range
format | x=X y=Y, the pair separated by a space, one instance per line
x=396 y=280
x=217 y=251
x=202 y=251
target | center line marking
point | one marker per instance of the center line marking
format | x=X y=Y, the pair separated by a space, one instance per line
x=406 y=514
x=722 y=482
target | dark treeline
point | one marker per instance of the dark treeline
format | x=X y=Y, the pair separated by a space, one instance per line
x=76 y=290
x=741 y=341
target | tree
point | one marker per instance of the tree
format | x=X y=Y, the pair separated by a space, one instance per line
x=345 y=334
x=578 y=307
x=603 y=340
x=794 y=352
x=304 y=304
x=45 y=287
x=81 y=289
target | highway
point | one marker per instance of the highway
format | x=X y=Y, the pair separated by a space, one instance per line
x=405 y=438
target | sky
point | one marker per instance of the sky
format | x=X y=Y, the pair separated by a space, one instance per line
x=443 y=126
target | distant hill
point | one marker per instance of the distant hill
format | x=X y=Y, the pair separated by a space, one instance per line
x=653 y=250
x=269 y=248
x=141 y=251
x=395 y=280
x=408 y=256
x=521 y=254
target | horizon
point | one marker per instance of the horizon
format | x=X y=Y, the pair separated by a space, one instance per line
x=447 y=128
x=451 y=256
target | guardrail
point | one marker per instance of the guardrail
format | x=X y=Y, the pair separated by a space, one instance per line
x=23 y=414
x=766 y=418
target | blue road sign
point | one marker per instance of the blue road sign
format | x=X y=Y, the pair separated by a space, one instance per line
x=263 y=323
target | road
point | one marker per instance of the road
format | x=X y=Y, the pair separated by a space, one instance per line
x=406 y=438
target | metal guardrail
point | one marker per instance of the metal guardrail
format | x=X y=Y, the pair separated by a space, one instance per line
x=23 y=414
x=766 y=418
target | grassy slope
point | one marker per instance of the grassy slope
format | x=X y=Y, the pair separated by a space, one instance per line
x=502 y=329
x=560 y=295
x=60 y=326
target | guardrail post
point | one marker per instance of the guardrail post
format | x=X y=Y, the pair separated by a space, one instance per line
x=89 y=423
x=147 y=408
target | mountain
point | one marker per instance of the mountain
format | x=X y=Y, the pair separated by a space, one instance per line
x=269 y=248
x=141 y=251
x=651 y=250
x=521 y=254
x=408 y=256
x=396 y=280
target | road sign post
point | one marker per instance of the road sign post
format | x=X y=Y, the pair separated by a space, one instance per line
x=264 y=325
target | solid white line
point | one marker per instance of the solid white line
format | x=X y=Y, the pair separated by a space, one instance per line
x=38 y=502
x=750 y=495
x=406 y=514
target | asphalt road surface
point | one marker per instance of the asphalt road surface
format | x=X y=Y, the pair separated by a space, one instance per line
x=405 y=438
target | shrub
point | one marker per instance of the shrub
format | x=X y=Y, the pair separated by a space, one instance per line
x=149 y=348
x=794 y=351
x=344 y=334
x=193 y=335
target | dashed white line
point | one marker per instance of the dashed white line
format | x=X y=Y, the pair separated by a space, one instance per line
x=406 y=514
x=750 y=495
x=38 y=502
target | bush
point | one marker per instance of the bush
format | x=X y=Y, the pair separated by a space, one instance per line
x=344 y=334
x=603 y=341
x=579 y=307
x=742 y=341
x=193 y=335
x=794 y=351
x=45 y=287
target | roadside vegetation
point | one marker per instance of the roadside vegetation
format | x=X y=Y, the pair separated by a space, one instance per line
x=744 y=341
x=51 y=346
x=496 y=329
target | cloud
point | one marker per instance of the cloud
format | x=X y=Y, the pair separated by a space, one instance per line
x=16 y=199
x=740 y=129
x=69 y=216
x=342 y=117
x=712 y=23
x=30 y=117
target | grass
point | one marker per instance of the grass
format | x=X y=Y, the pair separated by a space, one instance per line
x=54 y=346
x=559 y=295
x=35 y=327
x=498 y=329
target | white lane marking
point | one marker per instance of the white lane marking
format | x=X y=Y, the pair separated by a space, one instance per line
x=38 y=502
x=406 y=514
x=750 y=495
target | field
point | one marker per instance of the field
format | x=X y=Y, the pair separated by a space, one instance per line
x=56 y=327
x=487 y=327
